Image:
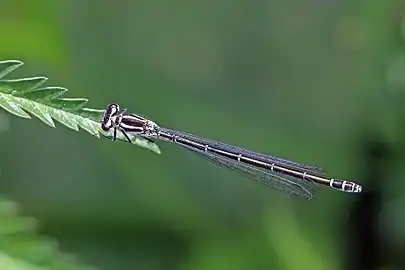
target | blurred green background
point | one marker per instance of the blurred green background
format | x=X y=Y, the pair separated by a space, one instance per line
x=305 y=80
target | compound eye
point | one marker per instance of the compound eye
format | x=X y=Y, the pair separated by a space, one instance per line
x=108 y=112
x=106 y=126
x=113 y=108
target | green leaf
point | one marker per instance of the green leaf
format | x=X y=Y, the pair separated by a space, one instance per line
x=8 y=66
x=43 y=93
x=21 y=85
x=19 y=96
x=22 y=249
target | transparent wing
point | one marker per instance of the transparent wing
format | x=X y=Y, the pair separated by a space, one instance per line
x=287 y=184
x=238 y=150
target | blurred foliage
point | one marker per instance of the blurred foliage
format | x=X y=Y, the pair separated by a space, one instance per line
x=21 y=249
x=307 y=80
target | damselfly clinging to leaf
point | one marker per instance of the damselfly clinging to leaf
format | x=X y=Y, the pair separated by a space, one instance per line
x=276 y=173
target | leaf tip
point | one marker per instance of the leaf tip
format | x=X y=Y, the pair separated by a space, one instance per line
x=8 y=66
x=14 y=62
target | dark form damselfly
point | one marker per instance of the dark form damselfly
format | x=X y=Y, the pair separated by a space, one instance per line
x=277 y=173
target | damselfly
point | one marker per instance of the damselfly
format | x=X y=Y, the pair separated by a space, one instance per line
x=276 y=173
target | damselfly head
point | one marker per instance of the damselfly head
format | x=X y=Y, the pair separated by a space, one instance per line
x=108 y=119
